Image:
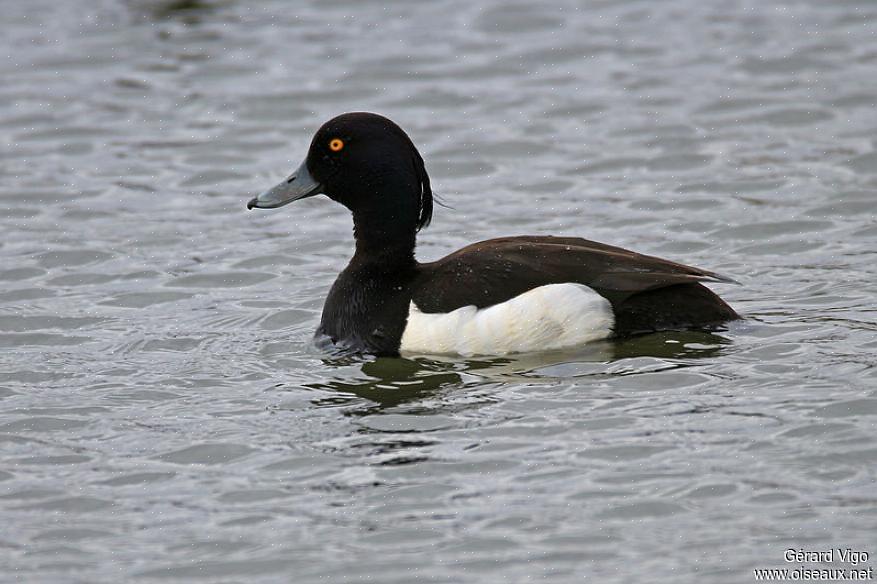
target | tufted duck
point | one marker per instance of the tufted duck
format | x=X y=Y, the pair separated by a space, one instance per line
x=506 y=295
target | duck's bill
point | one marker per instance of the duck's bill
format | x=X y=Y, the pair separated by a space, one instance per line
x=299 y=185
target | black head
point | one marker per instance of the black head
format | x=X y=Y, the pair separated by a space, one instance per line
x=368 y=164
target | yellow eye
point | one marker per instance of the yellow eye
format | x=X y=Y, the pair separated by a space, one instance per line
x=336 y=144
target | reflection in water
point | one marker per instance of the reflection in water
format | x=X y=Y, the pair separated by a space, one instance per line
x=186 y=11
x=672 y=345
x=392 y=382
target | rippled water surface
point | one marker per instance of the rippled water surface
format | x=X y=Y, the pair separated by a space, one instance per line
x=163 y=415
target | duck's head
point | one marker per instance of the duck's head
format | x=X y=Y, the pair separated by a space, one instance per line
x=368 y=164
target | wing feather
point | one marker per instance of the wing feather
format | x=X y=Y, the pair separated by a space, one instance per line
x=493 y=271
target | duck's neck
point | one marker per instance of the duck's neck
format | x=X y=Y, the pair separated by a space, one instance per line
x=383 y=241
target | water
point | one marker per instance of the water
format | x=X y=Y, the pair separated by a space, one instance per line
x=163 y=415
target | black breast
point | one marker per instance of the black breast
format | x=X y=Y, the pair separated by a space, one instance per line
x=367 y=310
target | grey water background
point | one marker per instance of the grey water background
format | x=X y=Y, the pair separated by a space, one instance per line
x=163 y=416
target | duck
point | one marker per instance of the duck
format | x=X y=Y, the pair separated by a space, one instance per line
x=507 y=295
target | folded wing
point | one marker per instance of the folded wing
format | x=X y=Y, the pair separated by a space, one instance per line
x=491 y=272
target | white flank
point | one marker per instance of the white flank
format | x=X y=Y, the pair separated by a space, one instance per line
x=550 y=317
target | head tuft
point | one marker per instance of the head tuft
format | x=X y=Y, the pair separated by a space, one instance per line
x=425 y=216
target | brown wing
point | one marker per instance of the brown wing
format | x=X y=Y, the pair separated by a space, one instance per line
x=493 y=271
